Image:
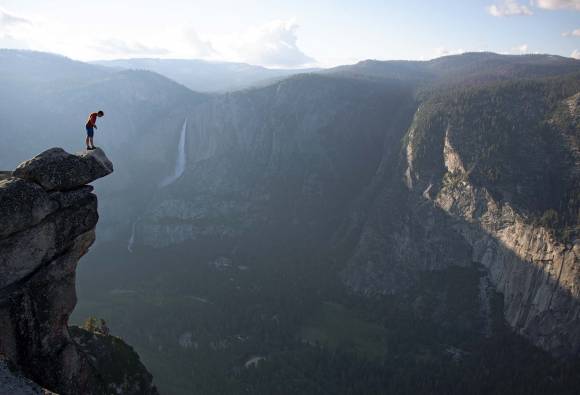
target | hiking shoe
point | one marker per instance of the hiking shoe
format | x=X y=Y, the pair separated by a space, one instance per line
x=90 y=148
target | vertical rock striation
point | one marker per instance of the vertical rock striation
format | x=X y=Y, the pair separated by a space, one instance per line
x=537 y=274
x=493 y=183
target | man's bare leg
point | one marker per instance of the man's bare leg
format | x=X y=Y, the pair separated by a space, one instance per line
x=87 y=141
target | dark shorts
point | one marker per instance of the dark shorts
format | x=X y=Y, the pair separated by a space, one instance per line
x=90 y=131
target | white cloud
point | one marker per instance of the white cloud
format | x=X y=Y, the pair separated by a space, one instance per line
x=558 y=4
x=118 y=47
x=8 y=20
x=521 y=49
x=509 y=8
x=575 y=33
x=442 y=51
x=12 y=30
x=575 y=54
x=197 y=47
x=274 y=44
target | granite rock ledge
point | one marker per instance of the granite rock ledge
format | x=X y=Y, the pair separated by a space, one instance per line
x=48 y=216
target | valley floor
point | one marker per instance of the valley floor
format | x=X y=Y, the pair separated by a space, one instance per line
x=212 y=325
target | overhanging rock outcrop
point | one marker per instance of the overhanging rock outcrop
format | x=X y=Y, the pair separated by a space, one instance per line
x=47 y=223
x=56 y=169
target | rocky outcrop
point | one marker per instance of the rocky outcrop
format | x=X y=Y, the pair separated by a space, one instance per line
x=47 y=223
x=57 y=169
x=117 y=363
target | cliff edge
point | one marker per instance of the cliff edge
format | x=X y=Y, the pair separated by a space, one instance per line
x=48 y=215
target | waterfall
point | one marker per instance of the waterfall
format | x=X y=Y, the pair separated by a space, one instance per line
x=180 y=160
x=132 y=238
x=180 y=163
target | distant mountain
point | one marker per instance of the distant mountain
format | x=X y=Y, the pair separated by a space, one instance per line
x=45 y=100
x=469 y=68
x=206 y=76
x=362 y=219
x=385 y=227
x=26 y=69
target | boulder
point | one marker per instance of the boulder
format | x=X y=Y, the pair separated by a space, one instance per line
x=56 y=169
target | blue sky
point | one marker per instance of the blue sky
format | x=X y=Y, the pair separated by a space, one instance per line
x=295 y=33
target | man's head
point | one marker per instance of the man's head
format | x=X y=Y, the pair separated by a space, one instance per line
x=100 y=113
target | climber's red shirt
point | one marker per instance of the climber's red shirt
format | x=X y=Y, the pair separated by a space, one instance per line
x=92 y=120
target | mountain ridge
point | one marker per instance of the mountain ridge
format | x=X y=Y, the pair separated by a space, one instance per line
x=206 y=76
x=351 y=221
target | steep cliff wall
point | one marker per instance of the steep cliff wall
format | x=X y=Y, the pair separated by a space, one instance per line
x=509 y=187
x=272 y=157
x=480 y=166
x=47 y=223
x=537 y=274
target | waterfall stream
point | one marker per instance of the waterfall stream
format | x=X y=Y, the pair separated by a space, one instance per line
x=132 y=238
x=180 y=160
x=180 y=163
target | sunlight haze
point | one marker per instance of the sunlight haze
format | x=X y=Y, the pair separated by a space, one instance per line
x=289 y=34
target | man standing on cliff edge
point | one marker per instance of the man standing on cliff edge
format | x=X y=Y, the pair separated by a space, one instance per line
x=91 y=125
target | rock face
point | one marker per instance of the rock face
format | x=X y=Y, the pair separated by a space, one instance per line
x=536 y=273
x=5 y=174
x=117 y=363
x=248 y=161
x=23 y=204
x=511 y=193
x=398 y=184
x=47 y=223
x=57 y=169
x=14 y=383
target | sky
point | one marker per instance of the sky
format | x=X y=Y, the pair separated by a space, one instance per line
x=290 y=34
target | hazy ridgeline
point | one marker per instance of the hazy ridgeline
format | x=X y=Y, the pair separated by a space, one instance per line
x=205 y=76
x=338 y=231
